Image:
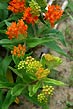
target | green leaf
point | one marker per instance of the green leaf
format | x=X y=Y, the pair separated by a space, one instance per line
x=54 y=46
x=9 y=99
x=7 y=23
x=4 y=0
x=34 y=88
x=10 y=42
x=2 y=31
x=70 y=5
x=32 y=42
x=48 y=41
x=53 y=33
x=30 y=31
x=1 y=98
x=17 y=90
x=3 y=5
x=69 y=104
x=3 y=14
x=57 y=34
x=44 y=30
x=53 y=82
x=9 y=47
x=71 y=17
x=4 y=84
x=45 y=106
x=32 y=99
x=16 y=59
x=14 y=17
x=4 y=65
x=16 y=72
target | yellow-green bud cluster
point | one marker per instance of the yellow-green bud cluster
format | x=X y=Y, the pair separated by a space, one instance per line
x=35 y=8
x=21 y=64
x=48 y=90
x=49 y=57
x=45 y=93
x=32 y=65
x=42 y=98
x=52 y=61
x=58 y=60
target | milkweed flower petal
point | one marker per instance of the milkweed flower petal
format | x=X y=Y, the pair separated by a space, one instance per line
x=16 y=6
x=19 y=51
x=14 y=30
x=53 y=14
x=22 y=27
x=29 y=17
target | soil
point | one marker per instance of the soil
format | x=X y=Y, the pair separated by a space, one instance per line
x=64 y=94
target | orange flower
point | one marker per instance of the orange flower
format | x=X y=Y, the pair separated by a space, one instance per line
x=16 y=6
x=12 y=30
x=19 y=51
x=42 y=73
x=22 y=27
x=53 y=14
x=15 y=29
x=28 y=17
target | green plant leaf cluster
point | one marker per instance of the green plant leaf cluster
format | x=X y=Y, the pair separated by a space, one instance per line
x=20 y=82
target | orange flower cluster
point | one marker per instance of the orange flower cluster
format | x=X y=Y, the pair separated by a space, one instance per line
x=16 y=6
x=15 y=29
x=28 y=17
x=12 y=31
x=53 y=14
x=42 y=73
x=22 y=28
x=19 y=51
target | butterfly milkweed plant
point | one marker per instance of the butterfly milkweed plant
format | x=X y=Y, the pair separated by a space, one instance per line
x=25 y=25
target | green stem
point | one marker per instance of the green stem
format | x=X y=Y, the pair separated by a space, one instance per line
x=69 y=15
x=33 y=26
x=2 y=23
x=45 y=106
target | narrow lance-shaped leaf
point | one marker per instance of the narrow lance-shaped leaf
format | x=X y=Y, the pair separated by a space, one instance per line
x=10 y=42
x=1 y=98
x=16 y=72
x=48 y=41
x=70 y=5
x=16 y=59
x=9 y=99
x=17 y=90
x=4 y=65
x=57 y=34
x=34 y=88
x=47 y=32
x=54 y=46
x=6 y=85
x=53 y=82
x=32 y=42
x=32 y=99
